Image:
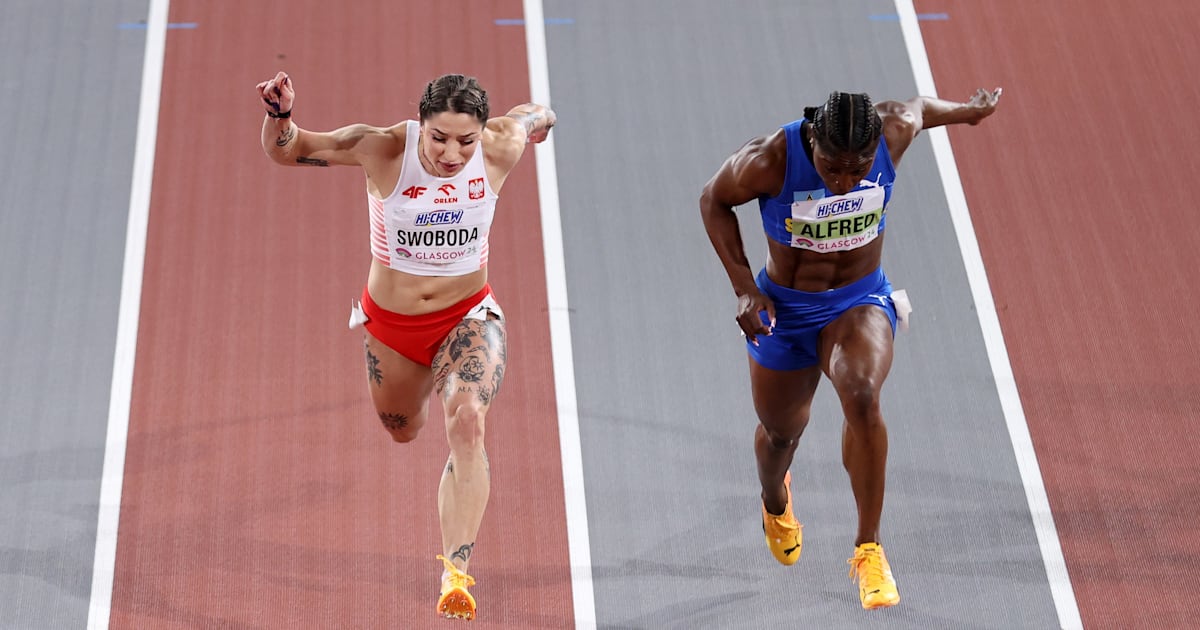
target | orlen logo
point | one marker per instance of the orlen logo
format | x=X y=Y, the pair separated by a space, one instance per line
x=475 y=188
x=446 y=189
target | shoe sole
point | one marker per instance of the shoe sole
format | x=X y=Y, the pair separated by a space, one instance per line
x=457 y=604
x=882 y=604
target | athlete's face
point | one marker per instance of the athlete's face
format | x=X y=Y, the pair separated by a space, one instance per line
x=842 y=171
x=448 y=140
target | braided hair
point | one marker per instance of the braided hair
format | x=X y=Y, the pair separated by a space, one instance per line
x=846 y=124
x=454 y=93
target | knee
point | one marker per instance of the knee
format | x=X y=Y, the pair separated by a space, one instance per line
x=780 y=441
x=860 y=401
x=464 y=428
x=400 y=427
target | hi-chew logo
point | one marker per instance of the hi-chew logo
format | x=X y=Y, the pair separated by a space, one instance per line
x=839 y=206
x=439 y=217
x=475 y=188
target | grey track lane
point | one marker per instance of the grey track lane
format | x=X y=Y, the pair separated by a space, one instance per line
x=69 y=87
x=651 y=97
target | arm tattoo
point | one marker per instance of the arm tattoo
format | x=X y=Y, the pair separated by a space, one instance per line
x=393 y=421
x=529 y=120
x=285 y=137
x=463 y=553
x=311 y=161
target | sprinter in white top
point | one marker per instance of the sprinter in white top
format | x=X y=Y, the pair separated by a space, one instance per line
x=431 y=321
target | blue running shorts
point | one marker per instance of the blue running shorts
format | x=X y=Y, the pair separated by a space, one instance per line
x=800 y=317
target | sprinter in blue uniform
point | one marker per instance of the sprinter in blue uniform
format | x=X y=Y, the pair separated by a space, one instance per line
x=822 y=304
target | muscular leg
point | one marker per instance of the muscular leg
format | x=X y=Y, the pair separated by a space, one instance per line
x=400 y=389
x=856 y=354
x=467 y=373
x=782 y=400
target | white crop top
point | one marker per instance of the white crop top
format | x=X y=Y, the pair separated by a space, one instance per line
x=434 y=226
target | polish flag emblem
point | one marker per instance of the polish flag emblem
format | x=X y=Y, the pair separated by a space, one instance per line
x=475 y=188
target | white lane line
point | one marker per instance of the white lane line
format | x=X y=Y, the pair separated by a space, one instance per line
x=113 y=475
x=985 y=307
x=560 y=331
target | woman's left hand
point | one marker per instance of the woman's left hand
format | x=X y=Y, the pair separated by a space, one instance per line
x=982 y=104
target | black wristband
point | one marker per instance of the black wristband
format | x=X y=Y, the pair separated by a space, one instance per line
x=287 y=114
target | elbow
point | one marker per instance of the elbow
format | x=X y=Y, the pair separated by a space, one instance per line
x=710 y=208
x=276 y=154
x=705 y=201
x=706 y=194
x=708 y=201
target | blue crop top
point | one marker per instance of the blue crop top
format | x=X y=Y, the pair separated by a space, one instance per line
x=806 y=215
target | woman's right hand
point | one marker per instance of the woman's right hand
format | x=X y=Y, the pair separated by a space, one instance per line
x=750 y=305
x=277 y=94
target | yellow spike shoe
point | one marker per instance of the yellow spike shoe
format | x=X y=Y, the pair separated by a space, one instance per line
x=783 y=532
x=455 y=602
x=876 y=586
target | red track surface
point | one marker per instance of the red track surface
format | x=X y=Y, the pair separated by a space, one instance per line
x=1081 y=189
x=260 y=490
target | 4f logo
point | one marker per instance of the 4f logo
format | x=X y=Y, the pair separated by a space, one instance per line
x=475 y=188
x=446 y=189
x=412 y=192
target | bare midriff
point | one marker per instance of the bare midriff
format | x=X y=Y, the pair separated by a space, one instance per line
x=805 y=270
x=409 y=294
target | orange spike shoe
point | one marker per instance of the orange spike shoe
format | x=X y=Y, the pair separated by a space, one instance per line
x=876 y=586
x=783 y=532
x=455 y=602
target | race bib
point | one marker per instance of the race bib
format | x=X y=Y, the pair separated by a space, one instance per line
x=451 y=237
x=837 y=223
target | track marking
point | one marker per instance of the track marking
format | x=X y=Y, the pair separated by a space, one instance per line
x=521 y=22
x=578 y=543
x=894 y=17
x=113 y=476
x=993 y=338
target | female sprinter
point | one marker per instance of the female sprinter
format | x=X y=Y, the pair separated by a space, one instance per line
x=431 y=321
x=822 y=304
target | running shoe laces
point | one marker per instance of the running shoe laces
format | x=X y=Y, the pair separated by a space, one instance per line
x=876 y=586
x=455 y=602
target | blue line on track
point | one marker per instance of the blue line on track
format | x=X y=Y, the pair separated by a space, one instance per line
x=142 y=25
x=521 y=22
x=892 y=17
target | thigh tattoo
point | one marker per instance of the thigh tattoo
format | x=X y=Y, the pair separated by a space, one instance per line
x=466 y=355
x=373 y=372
